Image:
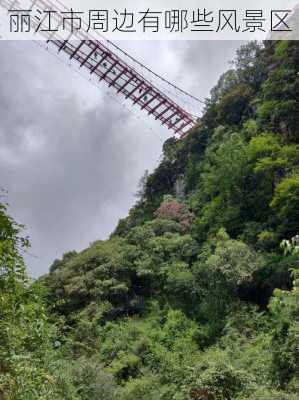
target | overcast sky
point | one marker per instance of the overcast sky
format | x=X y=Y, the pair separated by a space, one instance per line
x=70 y=155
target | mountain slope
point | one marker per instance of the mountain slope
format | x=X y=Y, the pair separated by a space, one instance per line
x=177 y=304
x=195 y=295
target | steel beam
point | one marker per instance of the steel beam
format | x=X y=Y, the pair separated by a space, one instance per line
x=109 y=70
x=164 y=112
x=147 y=91
x=150 y=101
x=183 y=127
x=157 y=107
x=126 y=83
x=170 y=117
x=99 y=63
x=117 y=77
x=135 y=89
x=77 y=49
x=88 y=57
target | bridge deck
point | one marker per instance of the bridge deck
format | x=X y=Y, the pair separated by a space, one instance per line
x=83 y=50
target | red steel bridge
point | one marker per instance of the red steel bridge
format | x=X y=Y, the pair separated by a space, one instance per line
x=105 y=62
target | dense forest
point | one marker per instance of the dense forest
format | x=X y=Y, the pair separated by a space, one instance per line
x=195 y=296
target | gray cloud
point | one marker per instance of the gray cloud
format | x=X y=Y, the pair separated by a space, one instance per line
x=70 y=156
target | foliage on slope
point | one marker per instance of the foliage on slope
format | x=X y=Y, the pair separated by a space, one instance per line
x=193 y=297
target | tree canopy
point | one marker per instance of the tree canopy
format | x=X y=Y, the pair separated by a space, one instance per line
x=195 y=294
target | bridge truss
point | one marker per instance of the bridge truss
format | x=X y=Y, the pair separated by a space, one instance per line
x=105 y=62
